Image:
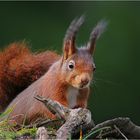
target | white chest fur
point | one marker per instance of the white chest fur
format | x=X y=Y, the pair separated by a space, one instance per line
x=72 y=94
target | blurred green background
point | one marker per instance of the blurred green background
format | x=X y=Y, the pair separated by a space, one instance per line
x=116 y=90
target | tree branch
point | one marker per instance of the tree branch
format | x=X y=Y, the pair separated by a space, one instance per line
x=73 y=117
x=122 y=128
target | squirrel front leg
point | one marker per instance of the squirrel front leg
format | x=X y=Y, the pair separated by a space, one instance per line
x=83 y=97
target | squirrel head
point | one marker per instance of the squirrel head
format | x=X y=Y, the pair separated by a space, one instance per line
x=77 y=63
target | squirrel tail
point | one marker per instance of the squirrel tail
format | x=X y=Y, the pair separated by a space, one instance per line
x=19 y=67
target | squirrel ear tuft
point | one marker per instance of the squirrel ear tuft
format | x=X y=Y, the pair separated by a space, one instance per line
x=95 y=34
x=69 y=40
x=69 y=49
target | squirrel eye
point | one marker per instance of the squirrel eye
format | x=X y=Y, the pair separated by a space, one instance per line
x=71 y=65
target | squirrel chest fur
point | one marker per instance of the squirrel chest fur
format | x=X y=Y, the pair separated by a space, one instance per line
x=67 y=80
x=72 y=94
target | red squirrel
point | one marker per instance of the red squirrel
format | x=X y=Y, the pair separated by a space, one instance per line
x=66 y=81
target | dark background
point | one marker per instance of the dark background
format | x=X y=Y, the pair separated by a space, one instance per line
x=116 y=90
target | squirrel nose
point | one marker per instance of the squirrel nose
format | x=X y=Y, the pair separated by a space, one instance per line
x=84 y=81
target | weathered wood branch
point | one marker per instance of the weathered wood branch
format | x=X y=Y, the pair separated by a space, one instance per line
x=74 y=119
x=55 y=107
x=120 y=127
x=77 y=117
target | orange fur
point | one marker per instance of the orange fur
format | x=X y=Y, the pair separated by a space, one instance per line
x=19 y=67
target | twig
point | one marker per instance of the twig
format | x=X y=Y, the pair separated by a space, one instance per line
x=55 y=107
x=42 y=123
x=120 y=132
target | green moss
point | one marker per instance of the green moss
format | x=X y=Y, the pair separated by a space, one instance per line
x=8 y=131
x=29 y=131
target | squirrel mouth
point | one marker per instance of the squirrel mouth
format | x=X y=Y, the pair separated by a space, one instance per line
x=81 y=86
